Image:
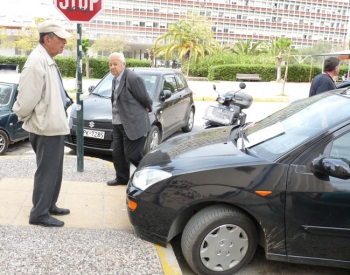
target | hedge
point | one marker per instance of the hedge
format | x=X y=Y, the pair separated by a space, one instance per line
x=98 y=66
x=296 y=73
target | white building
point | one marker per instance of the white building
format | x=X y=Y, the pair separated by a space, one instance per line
x=305 y=22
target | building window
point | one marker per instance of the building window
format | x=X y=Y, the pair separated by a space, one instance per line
x=128 y=23
x=142 y=24
x=239 y=16
x=155 y=25
x=226 y=30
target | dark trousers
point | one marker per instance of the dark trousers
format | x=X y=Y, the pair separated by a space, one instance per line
x=49 y=152
x=125 y=151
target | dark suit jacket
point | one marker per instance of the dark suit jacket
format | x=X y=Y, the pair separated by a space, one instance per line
x=132 y=102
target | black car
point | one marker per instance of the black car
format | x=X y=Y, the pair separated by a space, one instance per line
x=344 y=84
x=10 y=128
x=173 y=109
x=282 y=183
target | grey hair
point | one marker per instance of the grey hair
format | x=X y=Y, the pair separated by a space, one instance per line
x=330 y=63
x=120 y=55
x=42 y=35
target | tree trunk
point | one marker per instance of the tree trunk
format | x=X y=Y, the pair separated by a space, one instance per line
x=279 y=64
x=151 y=57
x=87 y=67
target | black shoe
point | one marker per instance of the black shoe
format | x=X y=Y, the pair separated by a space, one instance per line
x=117 y=182
x=51 y=222
x=59 y=211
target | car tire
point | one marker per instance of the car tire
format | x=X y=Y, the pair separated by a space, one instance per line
x=190 y=122
x=153 y=139
x=219 y=240
x=4 y=142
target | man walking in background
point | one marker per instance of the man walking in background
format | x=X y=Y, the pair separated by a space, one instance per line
x=41 y=104
x=130 y=106
x=324 y=81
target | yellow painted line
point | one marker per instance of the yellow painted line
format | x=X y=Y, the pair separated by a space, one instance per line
x=168 y=260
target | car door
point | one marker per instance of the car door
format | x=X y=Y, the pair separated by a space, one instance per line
x=318 y=206
x=185 y=94
x=171 y=109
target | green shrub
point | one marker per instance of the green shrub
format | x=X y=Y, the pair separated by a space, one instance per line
x=98 y=66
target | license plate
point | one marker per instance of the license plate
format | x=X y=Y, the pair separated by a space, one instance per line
x=94 y=134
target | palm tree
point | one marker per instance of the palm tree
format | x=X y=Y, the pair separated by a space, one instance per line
x=245 y=47
x=277 y=47
x=188 y=38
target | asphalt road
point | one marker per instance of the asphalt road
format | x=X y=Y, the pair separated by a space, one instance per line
x=259 y=265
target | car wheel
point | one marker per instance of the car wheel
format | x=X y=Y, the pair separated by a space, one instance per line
x=219 y=240
x=4 y=142
x=190 y=122
x=153 y=139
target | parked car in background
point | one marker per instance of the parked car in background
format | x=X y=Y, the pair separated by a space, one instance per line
x=173 y=110
x=10 y=128
x=345 y=84
x=282 y=182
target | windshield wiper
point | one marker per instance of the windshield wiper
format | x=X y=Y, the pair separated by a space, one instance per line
x=103 y=96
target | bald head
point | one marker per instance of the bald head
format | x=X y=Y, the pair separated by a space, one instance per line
x=116 y=63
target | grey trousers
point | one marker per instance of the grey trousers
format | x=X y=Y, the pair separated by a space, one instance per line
x=125 y=151
x=49 y=152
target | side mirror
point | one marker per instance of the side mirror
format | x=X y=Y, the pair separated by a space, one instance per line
x=91 y=88
x=165 y=95
x=331 y=167
x=242 y=85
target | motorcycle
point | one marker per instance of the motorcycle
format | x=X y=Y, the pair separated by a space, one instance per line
x=228 y=111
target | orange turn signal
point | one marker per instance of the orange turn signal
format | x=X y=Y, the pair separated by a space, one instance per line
x=132 y=205
x=263 y=193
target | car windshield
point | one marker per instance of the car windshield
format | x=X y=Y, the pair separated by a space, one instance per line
x=104 y=87
x=286 y=129
x=5 y=94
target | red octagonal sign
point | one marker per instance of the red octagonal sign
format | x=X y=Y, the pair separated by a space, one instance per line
x=79 y=10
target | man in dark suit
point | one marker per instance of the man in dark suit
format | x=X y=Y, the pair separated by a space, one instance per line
x=130 y=106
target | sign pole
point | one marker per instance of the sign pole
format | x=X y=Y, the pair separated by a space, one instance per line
x=80 y=104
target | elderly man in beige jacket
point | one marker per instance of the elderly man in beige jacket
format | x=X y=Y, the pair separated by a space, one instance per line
x=41 y=104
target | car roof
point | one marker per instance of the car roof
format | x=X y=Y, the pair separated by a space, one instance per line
x=156 y=70
x=9 y=77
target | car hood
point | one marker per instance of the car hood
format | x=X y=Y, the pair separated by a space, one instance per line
x=198 y=151
x=95 y=108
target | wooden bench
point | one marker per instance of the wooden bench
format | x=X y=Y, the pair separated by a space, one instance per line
x=248 y=77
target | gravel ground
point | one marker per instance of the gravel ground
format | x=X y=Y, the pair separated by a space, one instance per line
x=95 y=170
x=36 y=250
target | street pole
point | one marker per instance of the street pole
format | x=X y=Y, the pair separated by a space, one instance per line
x=80 y=105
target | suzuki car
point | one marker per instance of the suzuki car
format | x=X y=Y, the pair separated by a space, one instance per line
x=173 y=110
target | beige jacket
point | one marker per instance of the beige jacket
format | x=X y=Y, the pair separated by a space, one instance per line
x=39 y=103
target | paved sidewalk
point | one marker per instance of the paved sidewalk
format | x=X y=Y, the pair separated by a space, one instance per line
x=97 y=237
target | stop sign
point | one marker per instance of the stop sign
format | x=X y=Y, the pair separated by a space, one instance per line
x=79 y=10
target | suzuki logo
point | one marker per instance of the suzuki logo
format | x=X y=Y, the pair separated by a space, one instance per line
x=91 y=124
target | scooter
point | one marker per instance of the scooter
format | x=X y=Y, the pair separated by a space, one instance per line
x=228 y=111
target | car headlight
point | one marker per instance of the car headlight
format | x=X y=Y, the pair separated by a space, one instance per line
x=144 y=178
